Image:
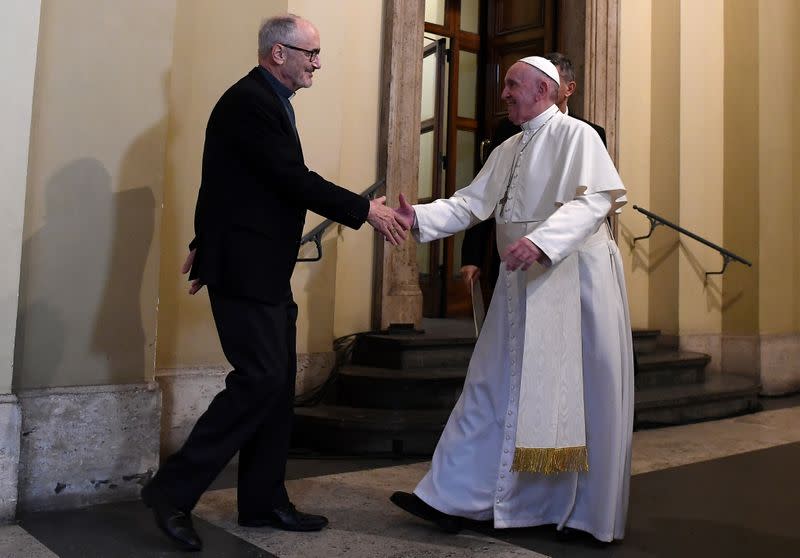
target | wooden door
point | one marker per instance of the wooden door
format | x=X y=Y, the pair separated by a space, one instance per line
x=483 y=38
x=515 y=29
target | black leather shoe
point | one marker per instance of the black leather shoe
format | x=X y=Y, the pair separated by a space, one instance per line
x=287 y=518
x=175 y=523
x=415 y=506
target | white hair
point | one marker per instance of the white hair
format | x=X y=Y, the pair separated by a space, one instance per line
x=278 y=29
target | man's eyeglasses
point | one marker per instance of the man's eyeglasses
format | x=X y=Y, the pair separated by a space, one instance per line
x=311 y=54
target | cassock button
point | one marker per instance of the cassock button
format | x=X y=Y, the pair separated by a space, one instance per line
x=508 y=425
x=505 y=451
x=510 y=413
x=500 y=489
x=502 y=476
x=508 y=437
x=498 y=500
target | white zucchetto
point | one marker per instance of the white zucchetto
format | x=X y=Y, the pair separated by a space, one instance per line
x=544 y=65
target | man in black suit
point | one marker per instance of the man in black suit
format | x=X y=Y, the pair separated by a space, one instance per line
x=478 y=238
x=251 y=208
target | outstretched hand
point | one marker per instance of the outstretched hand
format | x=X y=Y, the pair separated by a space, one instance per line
x=385 y=220
x=196 y=285
x=521 y=254
x=405 y=212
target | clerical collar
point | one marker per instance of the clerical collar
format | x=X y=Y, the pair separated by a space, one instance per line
x=536 y=122
x=277 y=86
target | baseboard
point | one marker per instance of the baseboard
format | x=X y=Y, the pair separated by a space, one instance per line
x=187 y=392
x=10 y=431
x=780 y=364
x=772 y=358
x=87 y=445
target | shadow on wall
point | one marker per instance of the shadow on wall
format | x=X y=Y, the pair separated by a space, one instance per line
x=80 y=321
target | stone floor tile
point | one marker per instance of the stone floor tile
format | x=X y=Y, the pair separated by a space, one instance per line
x=16 y=542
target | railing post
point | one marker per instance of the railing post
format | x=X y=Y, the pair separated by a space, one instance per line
x=397 y=296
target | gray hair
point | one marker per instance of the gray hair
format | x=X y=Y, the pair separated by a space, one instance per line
x=563 y=64
x=278 y=29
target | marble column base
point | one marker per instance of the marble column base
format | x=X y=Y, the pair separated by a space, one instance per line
x=87 y=445
x=187 y=392
x=773 y=359
x=10 y=430
x=780 y=364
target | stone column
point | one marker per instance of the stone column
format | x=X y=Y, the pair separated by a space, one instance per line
x=19 y=36
x=601 y=72
x=398 y=298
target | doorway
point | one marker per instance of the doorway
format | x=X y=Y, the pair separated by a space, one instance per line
x=467 y=47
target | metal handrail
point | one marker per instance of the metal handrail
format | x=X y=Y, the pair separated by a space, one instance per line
x=656 y=220
x=315 y=235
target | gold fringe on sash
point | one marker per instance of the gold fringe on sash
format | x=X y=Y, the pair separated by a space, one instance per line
x=550 y=460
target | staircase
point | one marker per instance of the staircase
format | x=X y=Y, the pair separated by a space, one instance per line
x=397 y=391
x=673 y=387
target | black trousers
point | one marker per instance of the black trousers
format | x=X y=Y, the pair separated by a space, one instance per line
x=252 y=415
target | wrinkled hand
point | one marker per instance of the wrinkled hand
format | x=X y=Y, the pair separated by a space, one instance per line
x=385 y=220
x=521 y=254
x=470 y=274
x=196 y=285
x=405 y=213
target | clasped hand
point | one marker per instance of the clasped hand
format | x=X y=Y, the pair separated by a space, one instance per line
x=387 y=221
x=393 y=224
x=521 y=254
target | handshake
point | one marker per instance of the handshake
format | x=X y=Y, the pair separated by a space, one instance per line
x=393 y=224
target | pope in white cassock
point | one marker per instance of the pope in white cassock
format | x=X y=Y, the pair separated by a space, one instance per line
x=542 y=431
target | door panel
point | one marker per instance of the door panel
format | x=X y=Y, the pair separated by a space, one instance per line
x=483 y=39
x=518 y=28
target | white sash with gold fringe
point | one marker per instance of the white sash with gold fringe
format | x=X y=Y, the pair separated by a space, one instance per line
x=551 y=430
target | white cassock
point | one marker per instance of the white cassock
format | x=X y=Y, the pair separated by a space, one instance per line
x=555 y=184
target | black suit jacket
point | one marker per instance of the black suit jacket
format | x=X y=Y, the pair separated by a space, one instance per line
x=477 y=238
x=254 y=194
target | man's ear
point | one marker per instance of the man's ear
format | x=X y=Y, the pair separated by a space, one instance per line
x=571 y=87
x=277 y=54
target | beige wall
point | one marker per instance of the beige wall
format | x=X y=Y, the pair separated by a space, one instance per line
x=338 y=123
x=723 y=138
x=741 y=180
x=796 y=156
x=90 y=257
x=634 y=155
x=339 y=120
x=665 y=157
x=779 y=255
x=19 y=32
x=701 y=158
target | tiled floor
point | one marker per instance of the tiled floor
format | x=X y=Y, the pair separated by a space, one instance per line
x=723 y=488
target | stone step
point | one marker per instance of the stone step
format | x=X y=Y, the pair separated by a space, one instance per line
x=718 y=396
x=354 y=430
x=666 y=367
x=413 y=350
x=344 y=429
x=389 y=388
x=645 y=340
